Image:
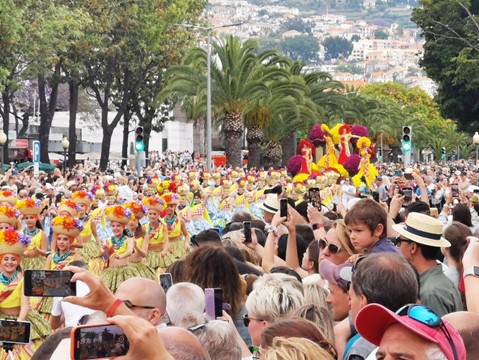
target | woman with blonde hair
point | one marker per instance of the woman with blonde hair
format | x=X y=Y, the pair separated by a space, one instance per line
x=294 y=348
x=336 y=246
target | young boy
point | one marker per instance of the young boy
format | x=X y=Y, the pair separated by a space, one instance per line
x=366 y=222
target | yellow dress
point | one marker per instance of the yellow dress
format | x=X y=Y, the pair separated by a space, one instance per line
x=177 y=247
x=10 y=297
x=91 y=251
x=140 y=267
x=154 y=259
x=35 y=262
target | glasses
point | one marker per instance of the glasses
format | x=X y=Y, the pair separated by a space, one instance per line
x=130 y=305
x=426 y=316
x=196 y=327
x=247 y=320
x=332 y=248
x=398 y=240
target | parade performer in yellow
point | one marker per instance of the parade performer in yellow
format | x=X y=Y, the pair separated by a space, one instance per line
x=367 y=172
x=178 y=236
x=329 y=159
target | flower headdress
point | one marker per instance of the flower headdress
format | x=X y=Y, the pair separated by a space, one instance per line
x=13 y=242
x=363 y=142
x=8 y=197
x=171 y=198
x=137 y=208
x=70 y=207
x=118 y=214
x=67 y=225
x=111 y=190
x=29 y=206
x=154 y=203
x=9 y=214
x=82 y=197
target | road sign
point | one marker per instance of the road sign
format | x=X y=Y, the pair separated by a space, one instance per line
x=36 y=151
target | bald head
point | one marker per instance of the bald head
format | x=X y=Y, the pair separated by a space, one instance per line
x=144 y=292
x=182 y=344
x=467 y=325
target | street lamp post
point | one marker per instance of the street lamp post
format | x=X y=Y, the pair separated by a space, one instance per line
x=3 y=141
x=208 y=83
x=475 y=139
x=65 y=145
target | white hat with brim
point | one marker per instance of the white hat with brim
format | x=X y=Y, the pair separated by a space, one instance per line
x=422 y=229
x=271 y=204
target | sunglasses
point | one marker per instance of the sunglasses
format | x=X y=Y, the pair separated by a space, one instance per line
x=130 y=305
x=426 y=316
x=247 y=320
x=397 y=241
x=333 y=249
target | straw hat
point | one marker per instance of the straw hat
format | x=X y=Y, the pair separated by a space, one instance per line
x=8 y=196
x=118 y=214
x=13 y=242
x=67 y=225
x=99 y=193
x=422 y=229
x=29 y=206
x=171 y=198
x=9 y=215
x=270 y=204
x=70 y=207
x=137 y=208
x=154 y=203
x=111 y=190
x=82 y=197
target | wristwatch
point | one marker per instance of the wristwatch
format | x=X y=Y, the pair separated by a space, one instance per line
x=474 y=271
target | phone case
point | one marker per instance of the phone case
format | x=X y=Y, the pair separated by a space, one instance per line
x=213 y=303
x=97 y=335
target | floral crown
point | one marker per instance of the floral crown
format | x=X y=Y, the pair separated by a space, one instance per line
x=8 y=214
x=8 y=196
x=67 y=225
x=118 y=214
x=137 y=208
x=29 y=206
x=82 y=197
x=171 y=198
x=70 y=207
x=154 y=203
x=111 y=189
x=13 y=242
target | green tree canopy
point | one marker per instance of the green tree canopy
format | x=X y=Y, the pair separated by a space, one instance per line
x=337 y=47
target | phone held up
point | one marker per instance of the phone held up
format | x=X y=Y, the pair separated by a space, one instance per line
x=98 y=341
x=283 y=207
x=314 y=196
x=455 y=190
x=166 y=281
x=49 y=283
x=14 y=331
x=247 y=231
x=213 y=303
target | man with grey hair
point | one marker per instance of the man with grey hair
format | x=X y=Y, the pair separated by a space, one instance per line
x=182 y=299
x=274 y=296
x=182 y=344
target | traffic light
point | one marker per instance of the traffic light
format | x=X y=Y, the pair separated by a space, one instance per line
x=443 y=152
x=406 y=138
x=139 y=144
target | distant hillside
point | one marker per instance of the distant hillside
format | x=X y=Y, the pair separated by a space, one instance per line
x=311 y=5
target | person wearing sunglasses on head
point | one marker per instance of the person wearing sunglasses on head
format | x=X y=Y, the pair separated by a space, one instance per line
x=412 y=332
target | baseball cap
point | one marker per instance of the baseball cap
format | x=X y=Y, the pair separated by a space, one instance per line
x=333 y=273
x=373 y=320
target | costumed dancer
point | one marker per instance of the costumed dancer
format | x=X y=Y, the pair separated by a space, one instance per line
x=7 y=197
x=329 y=158
x=367 y=172
x=13 y=303
x=91 y=244
x=119 y=248
x=156 y=237
x=200 y=217
x=65 y=230
x=8 y=217
x=178 y=235
x=225 y=204
x=34 y=256
x=241 y=197
x=306 y=149
x=184 y=210
x=137 y=260
x=345 y=137
x=70 y=209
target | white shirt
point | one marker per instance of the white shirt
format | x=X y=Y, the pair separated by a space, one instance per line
x=72 y=313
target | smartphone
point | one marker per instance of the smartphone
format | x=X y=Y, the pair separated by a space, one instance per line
x=375 y=196
x=247 y=231
x=14 y=332
x=407 y=193
x=283 y=207
x=476 y=191
x=314 y=196
x=408 y=176
x=49 y=283
x=98 y=341
x=213 y=303
x=397 y=173
x=455 y=190
x=166 y=281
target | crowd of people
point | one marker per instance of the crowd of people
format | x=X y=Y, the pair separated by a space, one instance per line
x=383 y=270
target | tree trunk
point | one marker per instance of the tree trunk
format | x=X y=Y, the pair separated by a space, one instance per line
x=233 y=136
x=126 y=132
x=47 y=110
x=288 y=149
x=146 y=140
x=255 y=137
x=105 y=147
x=6 y=120
x=201 y=125
x=73 y=110
x=272 y=155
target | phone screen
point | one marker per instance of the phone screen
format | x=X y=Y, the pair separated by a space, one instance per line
x=455 y=190
x=247 y=231
x=214 y=303
x=98 y=342
x=166 y=281
x=408 y=176
x=13 y=331
x=407 y=193
x=283 y=209
x=315 y=197
x=49 y=283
